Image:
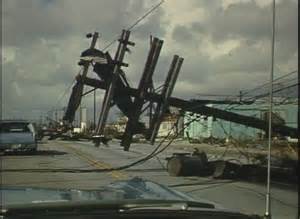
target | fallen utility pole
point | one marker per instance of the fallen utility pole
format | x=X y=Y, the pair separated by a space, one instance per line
x=199 y=108
x=131 y=101
x=77 y=92
x=165 y=94
x=144 y=85
x=107 y=102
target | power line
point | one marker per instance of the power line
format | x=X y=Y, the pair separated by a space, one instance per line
x=67 y=89
x=265 y=84
x=233 y=106
x=154 y=153
x=217 y=95
x=287 y=80
x=107 y=46
x=254 y=98
x=135 y=23
x=281 y=84
x=247 y=93
x=63 y=94
x=129 y=28
x=274 y=91
x=54 y=108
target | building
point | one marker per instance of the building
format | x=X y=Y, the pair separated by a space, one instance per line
x=83 y=119
x=120 y=124
x=204 y=127
x=170 y=125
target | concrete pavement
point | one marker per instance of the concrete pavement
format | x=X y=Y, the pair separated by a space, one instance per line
x=242 y=196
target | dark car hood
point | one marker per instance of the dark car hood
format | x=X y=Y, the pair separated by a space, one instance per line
x=134 y=195
x=134 y=189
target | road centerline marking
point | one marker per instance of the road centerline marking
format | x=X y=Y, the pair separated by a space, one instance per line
x=96 y=163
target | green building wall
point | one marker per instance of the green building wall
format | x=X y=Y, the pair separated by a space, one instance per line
x=217 y=128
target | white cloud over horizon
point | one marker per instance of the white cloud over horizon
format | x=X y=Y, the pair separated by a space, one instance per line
x=225 y=44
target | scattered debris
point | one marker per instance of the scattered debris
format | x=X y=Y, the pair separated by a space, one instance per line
x=132 y=101
x=186 y=164
x=197 y=164
x=225 y=169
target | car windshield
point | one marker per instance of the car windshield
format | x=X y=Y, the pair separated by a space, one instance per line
x=14 y=127
x=163 y=100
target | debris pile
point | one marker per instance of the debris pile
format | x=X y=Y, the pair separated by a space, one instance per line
x=197 y=164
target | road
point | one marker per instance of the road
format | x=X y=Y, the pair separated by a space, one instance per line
x=37 y=171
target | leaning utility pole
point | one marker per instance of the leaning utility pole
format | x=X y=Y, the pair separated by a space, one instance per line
x=108 y=98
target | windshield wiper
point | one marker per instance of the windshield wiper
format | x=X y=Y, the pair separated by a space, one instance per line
x=190 y=207
x=166 y=204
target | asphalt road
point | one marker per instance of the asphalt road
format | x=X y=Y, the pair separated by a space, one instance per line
x=37 y=171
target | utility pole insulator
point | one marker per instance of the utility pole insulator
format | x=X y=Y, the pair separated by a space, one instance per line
x=89 y=35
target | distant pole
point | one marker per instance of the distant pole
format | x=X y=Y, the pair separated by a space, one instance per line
x=56 y=115
x=268 y=197
x=241 y=96
x=94 y=110
x=80 y=116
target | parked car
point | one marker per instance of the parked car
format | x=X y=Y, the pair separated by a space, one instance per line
x=17 y=135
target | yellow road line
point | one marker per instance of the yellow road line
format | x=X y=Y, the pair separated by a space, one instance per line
x=97 y=164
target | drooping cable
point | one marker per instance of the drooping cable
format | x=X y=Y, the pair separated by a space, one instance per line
x=134 y=24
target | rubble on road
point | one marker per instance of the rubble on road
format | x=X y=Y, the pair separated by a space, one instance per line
x=197 y=164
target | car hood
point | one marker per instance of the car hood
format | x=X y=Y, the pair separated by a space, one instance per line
x=134 y=189
x=128 y=195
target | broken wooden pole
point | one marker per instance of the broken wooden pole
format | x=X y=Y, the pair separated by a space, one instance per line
x=181 y=164
x=144 y=85
x=166 y=93
x=122 y=48
x=200 y=108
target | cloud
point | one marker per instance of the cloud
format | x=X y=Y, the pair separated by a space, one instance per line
x=225 y=44
x=182 y=33
x=248 y=20
x=27 y=21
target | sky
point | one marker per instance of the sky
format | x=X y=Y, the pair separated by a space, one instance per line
x=226 y=46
